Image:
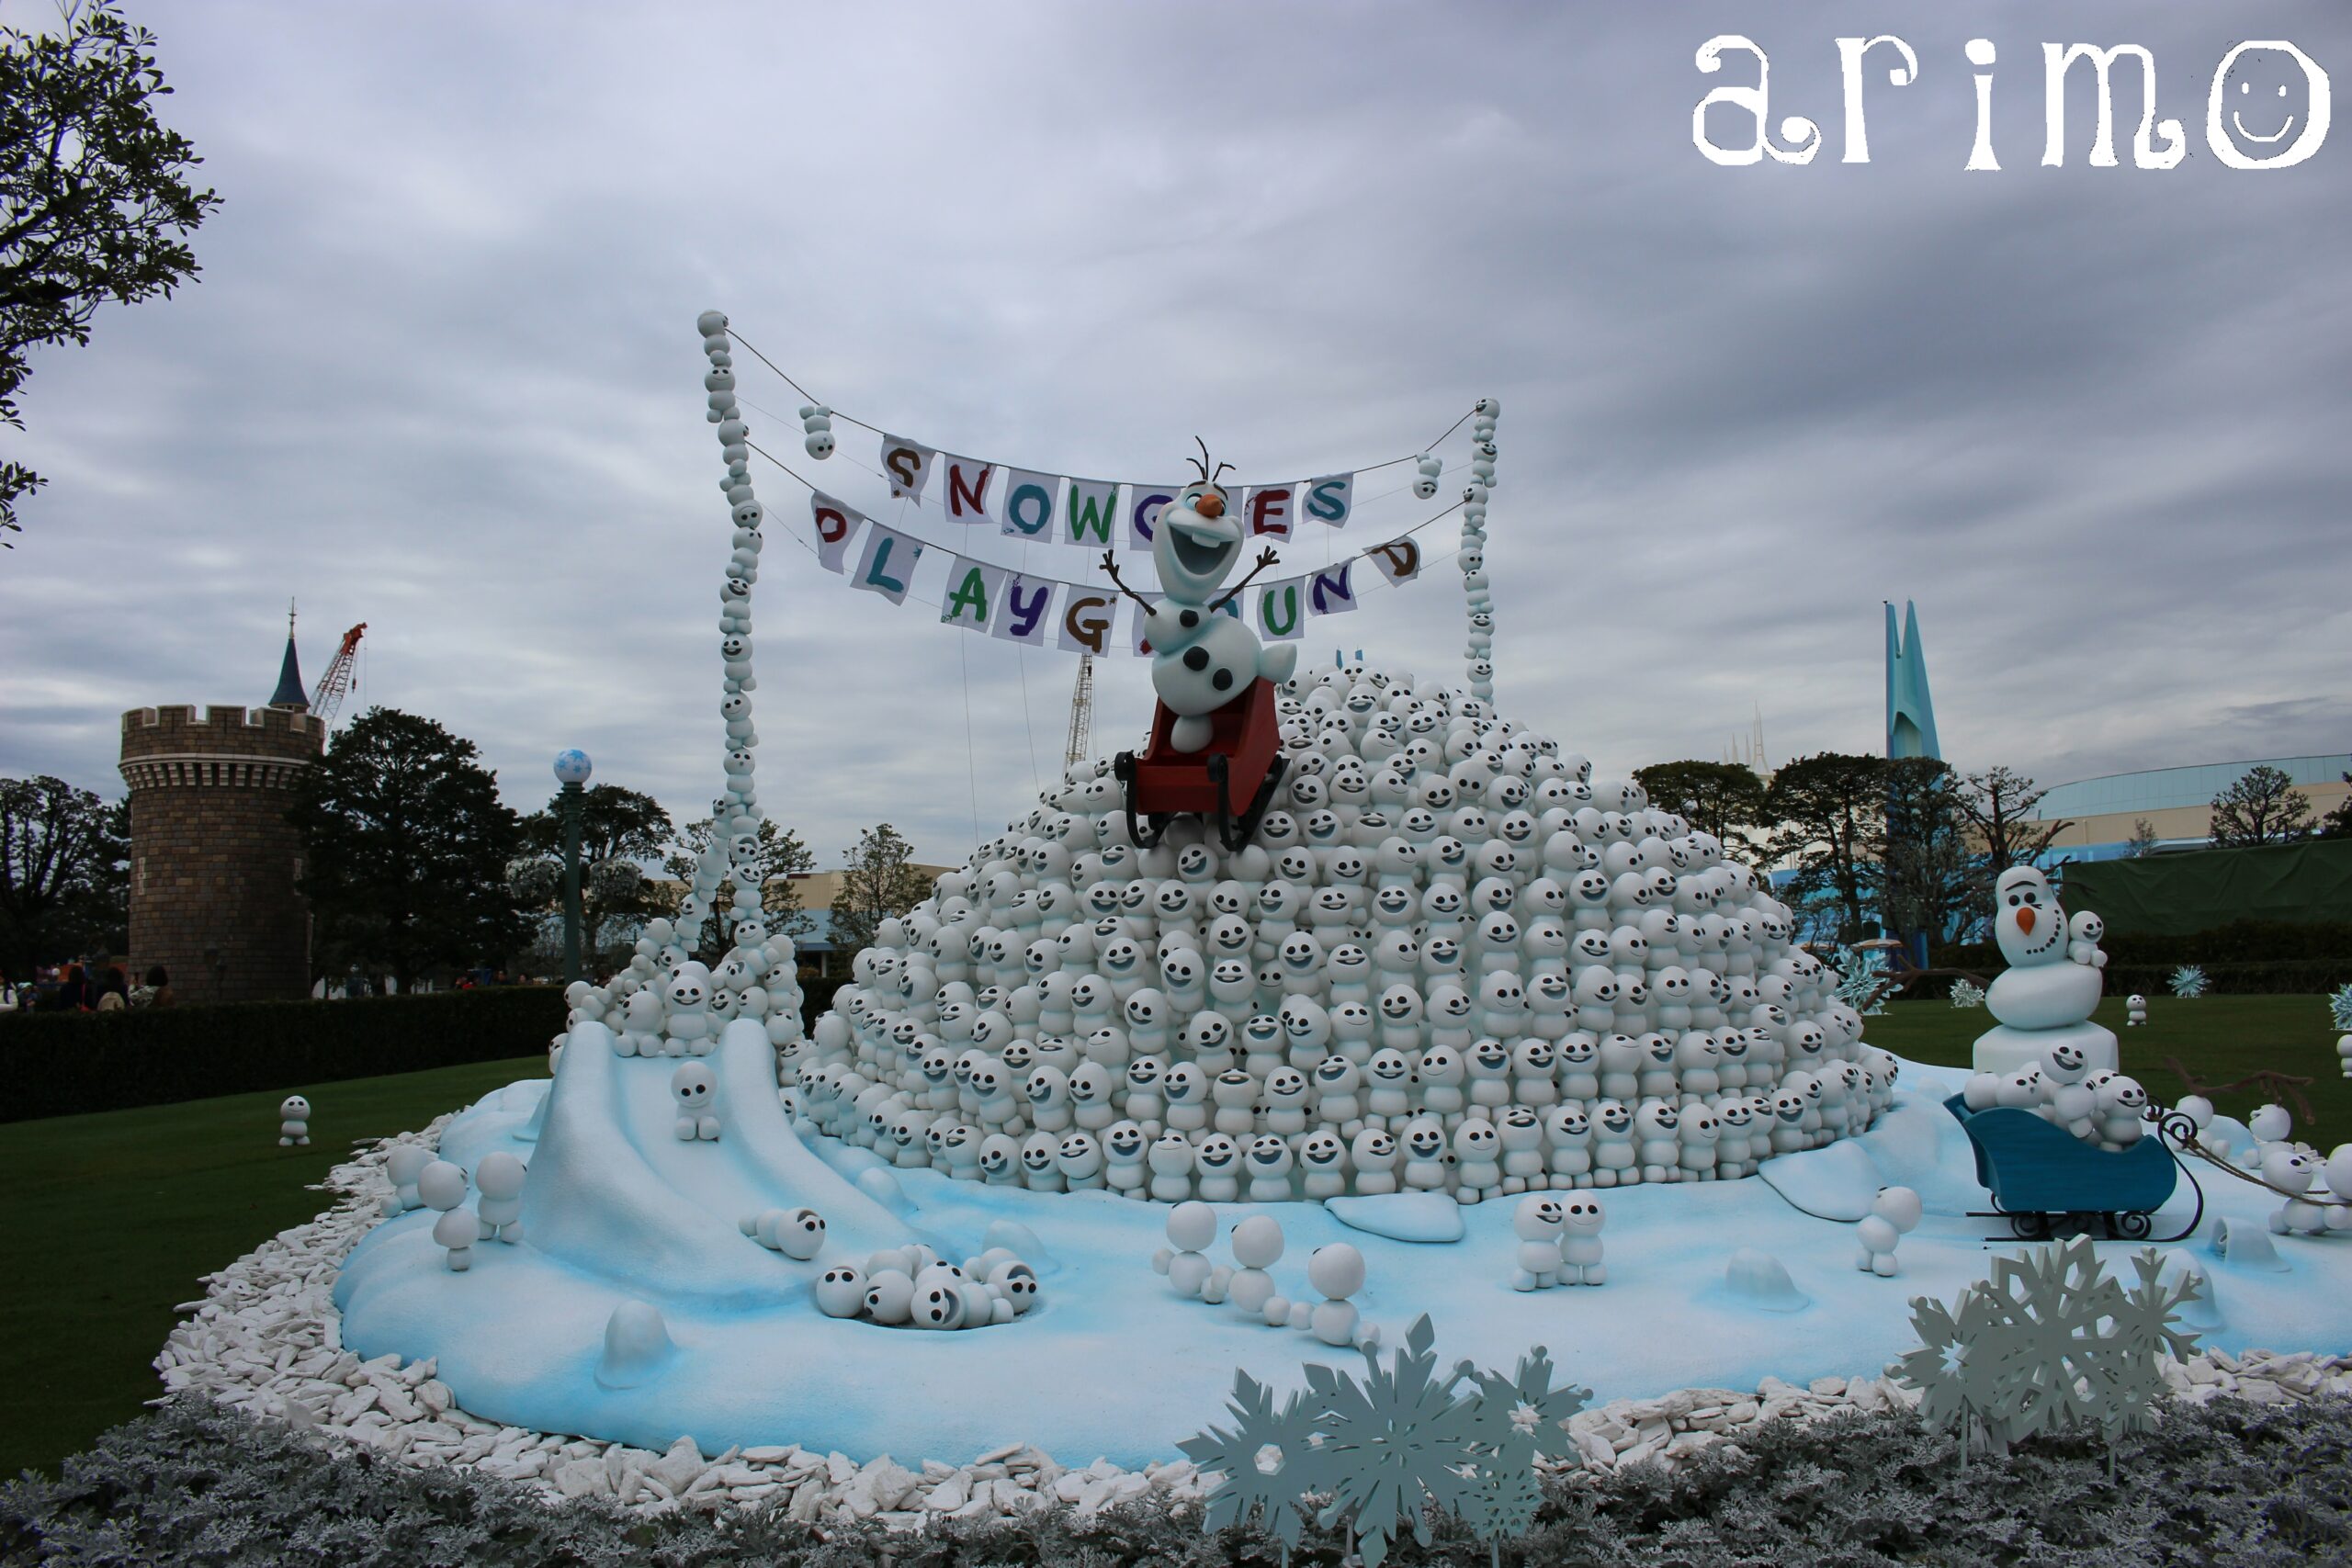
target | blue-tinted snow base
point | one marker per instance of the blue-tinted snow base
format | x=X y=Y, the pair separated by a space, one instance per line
x=1113 y=1364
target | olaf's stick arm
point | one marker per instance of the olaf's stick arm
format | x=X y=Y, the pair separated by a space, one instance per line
x=1266 y=559
x=1110 y=565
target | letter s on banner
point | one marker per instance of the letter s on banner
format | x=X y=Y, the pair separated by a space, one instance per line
x=908 y=464
x=836 y=526
x=1331 y=499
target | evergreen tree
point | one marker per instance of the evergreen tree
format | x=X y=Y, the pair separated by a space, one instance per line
x=1722 y=798
x=1923 y=875
x=405 y=845
x=877 y=881
x=94 y=203
x=2261 y=806
x=64 y=873
x=1831 y=808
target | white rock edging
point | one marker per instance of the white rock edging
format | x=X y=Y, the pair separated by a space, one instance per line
x=266 y=1339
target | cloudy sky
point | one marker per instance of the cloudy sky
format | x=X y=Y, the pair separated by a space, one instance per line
x=440 y=375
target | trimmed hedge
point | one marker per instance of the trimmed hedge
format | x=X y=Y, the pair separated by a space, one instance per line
x=2241 y=959
x=64 y=1064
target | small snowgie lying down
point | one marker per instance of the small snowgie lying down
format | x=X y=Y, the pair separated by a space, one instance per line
x=1216 y=747
x=2041 y=1177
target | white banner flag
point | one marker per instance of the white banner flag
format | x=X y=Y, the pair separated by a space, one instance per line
x=887 y=564
x=964 y=493
x=1027 y=505
x=1399 y=560
x=1331 y=499
x=1087 y=616
x=1329 y=591
x=1281 y=609
x=1090 y=509
x=975 y=589
x=1266 y=511
x=906 y=464
x=836 y=524
x=1140 y=509
x=1026 y=612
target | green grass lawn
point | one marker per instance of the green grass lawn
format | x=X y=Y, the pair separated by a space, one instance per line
x=2220 y=1039
x=113 y=1217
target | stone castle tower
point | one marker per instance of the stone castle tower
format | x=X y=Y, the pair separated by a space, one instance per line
x=213 y=860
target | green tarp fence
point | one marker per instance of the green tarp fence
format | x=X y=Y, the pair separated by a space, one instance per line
x=2177 y=895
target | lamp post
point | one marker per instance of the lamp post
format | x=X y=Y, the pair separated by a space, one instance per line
x=572 y=770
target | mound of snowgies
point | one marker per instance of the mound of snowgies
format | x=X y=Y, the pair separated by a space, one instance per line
x=1447 y=961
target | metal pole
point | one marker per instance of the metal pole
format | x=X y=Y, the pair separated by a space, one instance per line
x=572 y=794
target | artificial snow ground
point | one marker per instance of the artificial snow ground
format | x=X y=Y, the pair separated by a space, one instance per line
x=1112 y=1363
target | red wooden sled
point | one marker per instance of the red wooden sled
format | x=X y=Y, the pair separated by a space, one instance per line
x=1229 y=782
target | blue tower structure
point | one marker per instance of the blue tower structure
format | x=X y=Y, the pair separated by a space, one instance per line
x=1910 y=716
x=1910 y=712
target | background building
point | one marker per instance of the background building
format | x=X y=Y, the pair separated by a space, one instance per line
x=2175 y=802
x=213 y=860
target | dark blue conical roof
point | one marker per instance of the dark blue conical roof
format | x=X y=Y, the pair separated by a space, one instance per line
x=290 y=692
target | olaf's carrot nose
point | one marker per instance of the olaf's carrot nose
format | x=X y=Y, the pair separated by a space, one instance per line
x=2025 y=918
x=1211 y=504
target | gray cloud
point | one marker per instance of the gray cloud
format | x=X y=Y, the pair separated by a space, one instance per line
x=439 y=376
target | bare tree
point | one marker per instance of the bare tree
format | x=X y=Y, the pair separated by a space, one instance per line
x=1999 y=806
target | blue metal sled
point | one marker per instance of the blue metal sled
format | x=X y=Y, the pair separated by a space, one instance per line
x=2043 y=1178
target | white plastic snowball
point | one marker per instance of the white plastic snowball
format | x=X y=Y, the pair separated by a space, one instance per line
x=442 y=1186
x=1257 y=1242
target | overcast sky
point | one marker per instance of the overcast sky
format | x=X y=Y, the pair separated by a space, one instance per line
x=440 y=375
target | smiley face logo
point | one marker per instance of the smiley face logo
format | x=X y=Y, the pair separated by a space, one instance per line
x=2254 y=102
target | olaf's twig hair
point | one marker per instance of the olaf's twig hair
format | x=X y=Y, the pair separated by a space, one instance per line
x=1202 y=463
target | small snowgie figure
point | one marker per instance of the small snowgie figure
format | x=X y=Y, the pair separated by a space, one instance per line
x=498 y=1178
x=695 y=1091
x=1581 y=1243
x=1537 y=1223
x=1200 y=657
x=293 y=1121
x=1893 y=1213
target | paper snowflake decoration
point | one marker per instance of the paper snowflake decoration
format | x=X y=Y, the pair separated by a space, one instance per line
x=2049 y=1344
x=1386 y=1447
x=1270 y=1458
x=1967 y=994
x=2339 y=1008
x=2188 y=981
x=1860 y=973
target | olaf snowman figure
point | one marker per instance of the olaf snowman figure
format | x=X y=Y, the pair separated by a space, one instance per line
x=2044 y=999
x=1202 y=658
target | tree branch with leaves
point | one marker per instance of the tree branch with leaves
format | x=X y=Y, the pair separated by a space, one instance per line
x=95 y=200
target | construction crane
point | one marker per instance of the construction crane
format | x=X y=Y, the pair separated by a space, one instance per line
x=337 y=680
x=1082 y=716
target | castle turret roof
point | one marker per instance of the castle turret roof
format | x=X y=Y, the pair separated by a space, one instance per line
x=290 y=692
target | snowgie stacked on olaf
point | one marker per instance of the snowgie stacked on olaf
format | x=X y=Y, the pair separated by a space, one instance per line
x=1448 y=961
x=2045 y=996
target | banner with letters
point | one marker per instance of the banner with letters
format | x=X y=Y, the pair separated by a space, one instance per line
x=1039 y=610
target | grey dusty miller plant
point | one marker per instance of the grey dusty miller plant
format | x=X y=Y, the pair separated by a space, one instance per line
x=1382 y=1449
x=2051 y=1343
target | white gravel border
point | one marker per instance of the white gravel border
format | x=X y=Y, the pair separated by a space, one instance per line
x=266 y=1339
